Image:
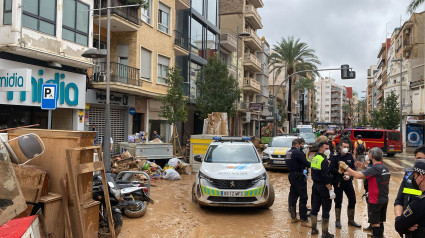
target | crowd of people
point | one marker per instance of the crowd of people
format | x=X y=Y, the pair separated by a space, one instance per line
x=332 y=173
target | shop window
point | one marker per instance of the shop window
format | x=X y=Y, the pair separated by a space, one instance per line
x=164 y=18
x=40 y=15
x=7 y=12
x=75 y=26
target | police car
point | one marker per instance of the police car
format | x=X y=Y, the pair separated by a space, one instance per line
x=274 y=154
x=231 y=174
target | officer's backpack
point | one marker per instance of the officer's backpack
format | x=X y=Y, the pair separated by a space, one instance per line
x=360 y=148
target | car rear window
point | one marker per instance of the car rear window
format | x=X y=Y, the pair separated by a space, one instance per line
x=393 y=135
x=369 y=134
x=282 y=142
x=231 y=153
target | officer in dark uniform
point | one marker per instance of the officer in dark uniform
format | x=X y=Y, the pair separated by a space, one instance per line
x=408 y=190
x=322 y=192
x=296 y=162
x=412 y=221
x=343 y=183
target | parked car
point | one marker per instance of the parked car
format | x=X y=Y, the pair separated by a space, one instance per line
x=388 y=140
x=231 y=174
x=274 y=154
x=310 y=141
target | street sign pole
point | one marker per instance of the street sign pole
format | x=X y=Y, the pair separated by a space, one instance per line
x=49 y=99
x=49 y=120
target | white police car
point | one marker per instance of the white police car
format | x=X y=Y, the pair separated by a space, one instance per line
x=231 y=174
x=274 y=154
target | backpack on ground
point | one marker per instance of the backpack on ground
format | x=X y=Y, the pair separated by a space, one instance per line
x=360 y=148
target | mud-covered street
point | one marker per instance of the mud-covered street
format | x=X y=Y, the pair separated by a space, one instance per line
x=175 y=215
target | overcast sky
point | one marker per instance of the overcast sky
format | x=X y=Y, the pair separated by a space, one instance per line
x=341 y=31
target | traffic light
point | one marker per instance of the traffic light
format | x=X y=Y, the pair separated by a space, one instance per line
x=347 y=73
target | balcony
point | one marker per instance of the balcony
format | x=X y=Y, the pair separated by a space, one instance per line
x=335 y=115
x=243 y=106
x=181 y=43
x=335 y=101
x=257 y=3
x=228 y=42
x=252 y=62
x=123 y=78
x=182 y=4
x=122 y=19
x=407 y=45
x=336 y=109
x=336 y=95
x=251 y=85
x=253 y=40
x=232 y=70
x=253 y=17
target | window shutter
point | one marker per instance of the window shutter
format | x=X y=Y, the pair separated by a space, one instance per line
x=145 y=68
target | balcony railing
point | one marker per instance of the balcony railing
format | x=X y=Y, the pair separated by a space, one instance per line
x=336 y=102
x=128 y=13
x=252 y=58
x=254 y=35
x=250 y=82
x=229 y=41
x=120 y=73
x=181 y=40
x=249 y=9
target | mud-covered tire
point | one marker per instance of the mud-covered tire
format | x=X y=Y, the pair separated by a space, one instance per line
x=138 y=213
x=194 y=193
x=270 y=200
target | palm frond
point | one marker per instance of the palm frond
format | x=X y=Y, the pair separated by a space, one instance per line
x=414 y=4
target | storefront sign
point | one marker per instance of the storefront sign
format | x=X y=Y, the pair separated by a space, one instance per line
x=119 y=99
x=256 y=107
x=71 y=87
x=15 y=80
x=415 y=135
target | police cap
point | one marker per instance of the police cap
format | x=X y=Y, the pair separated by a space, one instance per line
x=419 y=166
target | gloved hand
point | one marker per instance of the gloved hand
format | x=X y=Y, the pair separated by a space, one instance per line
x=305 y=172
x=342 y=166
x=332 y=194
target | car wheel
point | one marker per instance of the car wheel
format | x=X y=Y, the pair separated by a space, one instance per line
x=270 y=200
x=194 y=193
x=390 y=154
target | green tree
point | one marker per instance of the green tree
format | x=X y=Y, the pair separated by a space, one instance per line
x=414 y=4
x=174 y=105
x=390 y=113
x=218 y=91
x=376 y=121
x=305 y=84
x=346 y=110
x=295 y=56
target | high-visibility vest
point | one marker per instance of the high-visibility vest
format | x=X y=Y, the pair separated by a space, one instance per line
x=316 y=163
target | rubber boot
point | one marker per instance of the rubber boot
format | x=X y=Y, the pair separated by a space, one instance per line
x=314 y=230
x=325 y=226
x=293 y=215
x=377 y=232
x=338 y=218
x=351 y=222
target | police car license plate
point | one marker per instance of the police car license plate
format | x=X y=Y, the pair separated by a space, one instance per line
x=278 y=161
x=232 y=194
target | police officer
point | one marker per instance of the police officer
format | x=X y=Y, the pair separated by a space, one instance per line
x=322 y=192
x=407 y=190
x=296 y=163
x=343 y=183
x=413 y=218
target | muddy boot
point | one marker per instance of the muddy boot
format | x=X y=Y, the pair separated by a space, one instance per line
x=305 y=222
x=314 y=230
x=351 y=222
x=338 y=218
x=293 y=215
x=377 y=232
x=325 y=226
x=368 y=229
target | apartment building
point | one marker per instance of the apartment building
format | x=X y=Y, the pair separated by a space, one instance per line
x=241 y=16
x=330 y=98
x=371 y=89
x=42 y=43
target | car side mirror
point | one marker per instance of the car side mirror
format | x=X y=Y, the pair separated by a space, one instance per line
x=197 y=158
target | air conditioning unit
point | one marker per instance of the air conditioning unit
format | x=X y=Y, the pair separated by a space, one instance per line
x=407 y=31
x=246 y=117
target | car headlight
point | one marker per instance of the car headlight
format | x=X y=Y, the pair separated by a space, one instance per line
x=259 y=178
x=203 y=176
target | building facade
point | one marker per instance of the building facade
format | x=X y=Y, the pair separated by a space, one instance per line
x=330 y=98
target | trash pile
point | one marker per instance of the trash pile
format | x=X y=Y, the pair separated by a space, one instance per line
x=171 y=170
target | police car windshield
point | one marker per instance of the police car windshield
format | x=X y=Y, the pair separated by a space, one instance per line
x=231 y=153
x=282 y=142
x=305 y=130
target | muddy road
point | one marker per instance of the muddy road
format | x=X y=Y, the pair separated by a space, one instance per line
x=175 y=215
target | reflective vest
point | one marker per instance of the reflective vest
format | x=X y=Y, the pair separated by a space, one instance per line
x=408 y=191
x=316 y=163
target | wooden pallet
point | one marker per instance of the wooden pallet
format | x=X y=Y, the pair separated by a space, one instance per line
x=75 y=170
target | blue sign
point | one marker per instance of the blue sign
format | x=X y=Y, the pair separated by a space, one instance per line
x=415 y=135
x=132 y=111
x=49 y=96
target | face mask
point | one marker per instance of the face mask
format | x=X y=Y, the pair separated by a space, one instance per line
x=414 y=184
x=305 y=146
x=327 y=152
x=366 y=158
x=299 y=148
x=344 y=150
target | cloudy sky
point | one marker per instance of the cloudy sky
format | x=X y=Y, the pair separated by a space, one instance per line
x=341 y=31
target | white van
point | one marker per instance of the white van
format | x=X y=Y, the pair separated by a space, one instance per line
x=304 y=128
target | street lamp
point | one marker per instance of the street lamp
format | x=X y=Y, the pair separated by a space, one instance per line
x=242 y=34
x=401 y=95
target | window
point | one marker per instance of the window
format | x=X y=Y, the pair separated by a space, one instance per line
x=327 y=93
x=198 y=6
x=164 y=18
x=163 y=64
x=75 y=26
x=145 y=64
x=7 y=12
x=327 y=99
x=369 y=134
x=196 y=37
x=147 y=13
x=40 y=15
x=327 y=87
x=212 y=11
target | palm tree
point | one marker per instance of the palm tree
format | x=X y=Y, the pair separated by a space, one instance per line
x=414 y=4
x=295 y=56
x=346 y=110
x=302 y=85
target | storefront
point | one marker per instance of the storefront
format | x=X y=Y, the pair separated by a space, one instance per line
x=120 y=117
x=23 y=106
x=148 y=120
x=415 y=128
